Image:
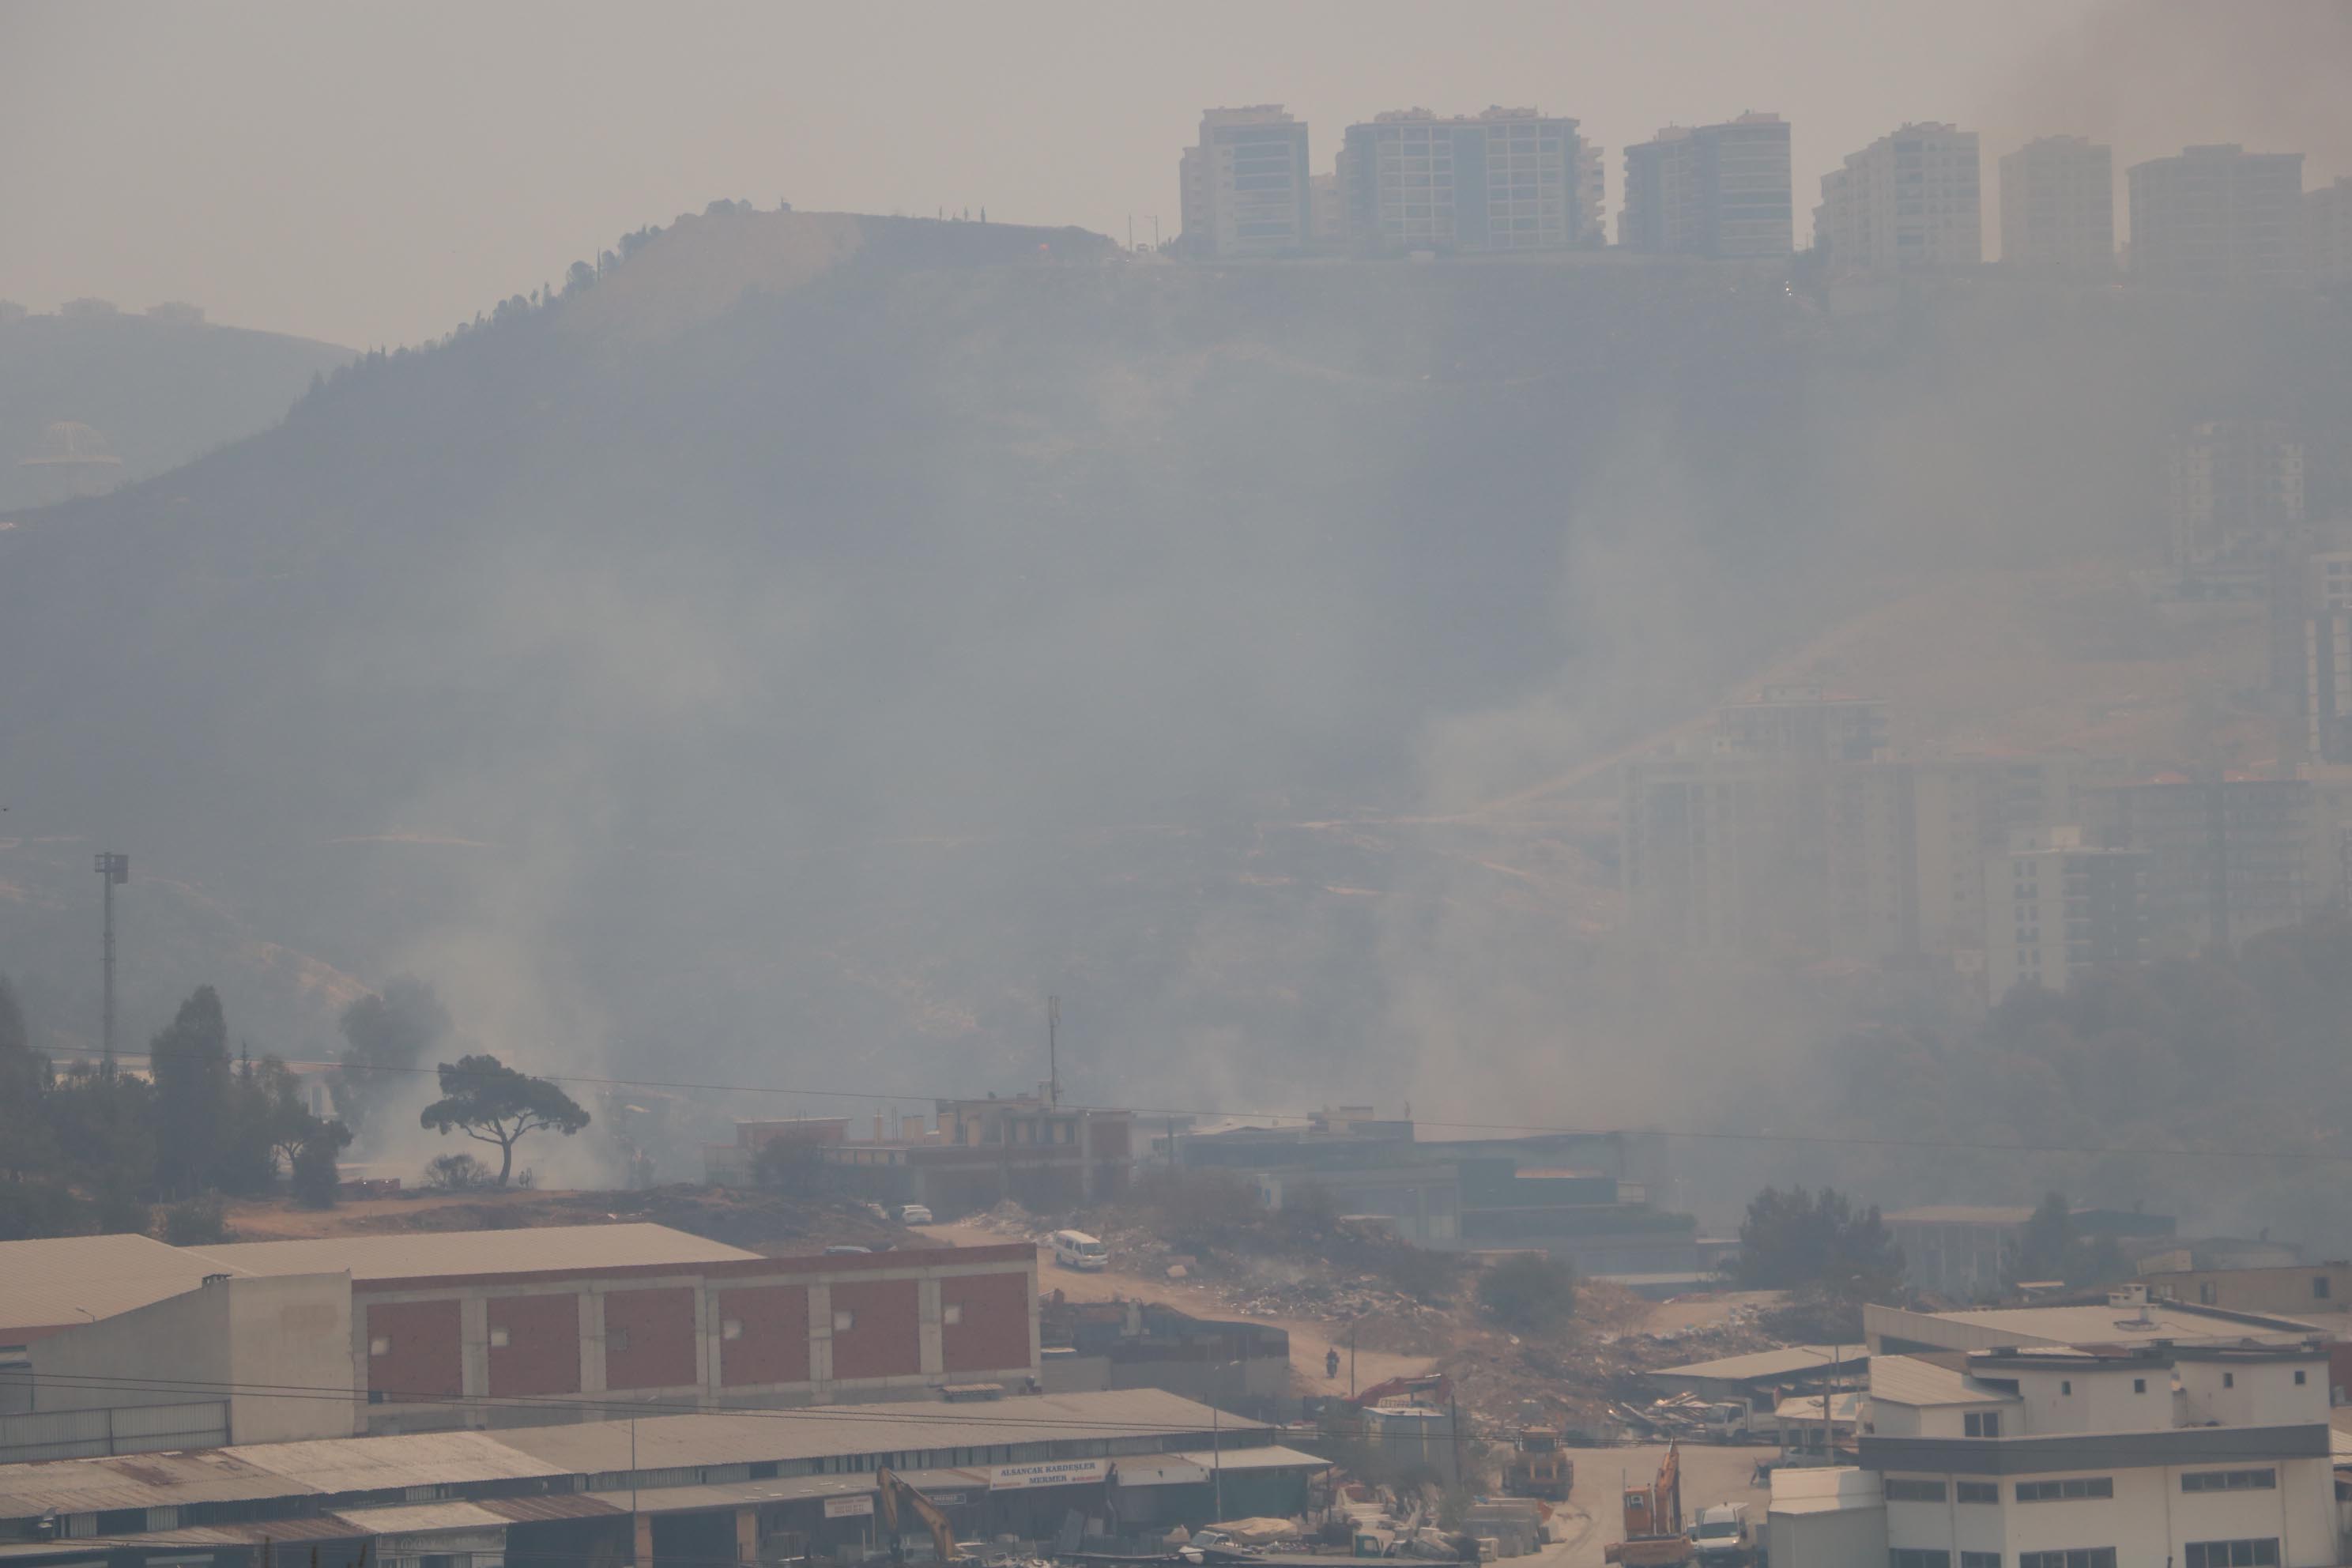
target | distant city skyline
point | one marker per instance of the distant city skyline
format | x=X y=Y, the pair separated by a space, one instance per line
x=372 y=177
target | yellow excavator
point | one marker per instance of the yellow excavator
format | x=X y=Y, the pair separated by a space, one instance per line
x=1654 y=1537
x=897 y=1491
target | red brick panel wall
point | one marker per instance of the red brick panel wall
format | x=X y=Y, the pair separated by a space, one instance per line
x=658 y=1327
x=885 y=1338
x=774 y=1345
x=542 y=1355
x=992 y=1329
x=427 y=1355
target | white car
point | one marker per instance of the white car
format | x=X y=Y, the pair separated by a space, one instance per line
x=913 y=1213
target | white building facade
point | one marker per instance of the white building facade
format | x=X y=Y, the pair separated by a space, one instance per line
x=2207 y=1456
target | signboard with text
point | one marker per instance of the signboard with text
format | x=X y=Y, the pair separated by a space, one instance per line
x=848 y=1507
x=1047 y=1473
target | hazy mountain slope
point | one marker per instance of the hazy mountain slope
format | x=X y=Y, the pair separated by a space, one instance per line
x=795 y=655
x=158 y=392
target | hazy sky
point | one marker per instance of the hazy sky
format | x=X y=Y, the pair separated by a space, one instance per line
x=373 y=174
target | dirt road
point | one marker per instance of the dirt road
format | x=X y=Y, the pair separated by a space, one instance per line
x=1309 y=1341
x=1594 y=1516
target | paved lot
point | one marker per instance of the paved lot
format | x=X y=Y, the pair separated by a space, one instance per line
x=1710 y=1476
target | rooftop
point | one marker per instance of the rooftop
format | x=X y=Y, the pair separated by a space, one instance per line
x=1920 y=1381
x=2105 y=1324
x=429 y=1254
x=56 y=1283
x=1960 y=1214
x=345 y=1466
x=1785 y=1362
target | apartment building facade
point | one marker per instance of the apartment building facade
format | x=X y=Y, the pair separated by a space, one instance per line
x=2056 y=907
x=1245 y=185
x=2226 y=859
x=1720 y=191
x=2234 y=493
x=2058 y=206
x=1910 y=200
x=2218 y=215
x=2327 y=232
x=1504 y=180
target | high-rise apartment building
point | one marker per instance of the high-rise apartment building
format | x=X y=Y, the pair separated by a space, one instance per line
x=1244 y=185
x=1508 y=179
x=1907 y=201
x=2234 y=489
x=2226 y=857
x=2058 y=206
x=1710 y=190
x=2219 y=214
x=1966 y=811
x=2056 y=907
x=2327 y=232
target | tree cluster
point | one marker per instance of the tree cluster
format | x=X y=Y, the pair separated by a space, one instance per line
x=92 y=1148
x=1799 y=1240
x=1529 y=1291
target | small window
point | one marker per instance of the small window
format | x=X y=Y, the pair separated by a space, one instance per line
x=2228 y=1380
x=498 y=1338
x=1975 y=1491
x=2319 y=1286
x=843 y=1320
x=951 y=1313
x=2140 y=1386
x=732 y=1329
x=1981 y=1424
x=2301 y=1377
x=2066 y=1385
x=380 y=1344
x=616 y=1339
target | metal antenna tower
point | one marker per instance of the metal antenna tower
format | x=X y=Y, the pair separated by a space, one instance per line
x=1053 y=1051
x=113 y=871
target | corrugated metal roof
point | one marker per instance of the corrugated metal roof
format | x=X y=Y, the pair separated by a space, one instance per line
x=552 y=1504
x=796 y=1488
x=1786 y=1362
x=1274 y=1458
x=413 y=1518
x=1908 y=1380
x=733 y=1437
x=411 y=1459
x=426 y=1254
x=135 y=1480
x=68 y=1280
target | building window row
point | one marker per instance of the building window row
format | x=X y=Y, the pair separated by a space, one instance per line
x=2071 y=1487
x=1975 y=1491
x=1917 y=1557
x=2072 y=1557
x=1902 y=1489
x=2262 y=1553
x=2229 y=1481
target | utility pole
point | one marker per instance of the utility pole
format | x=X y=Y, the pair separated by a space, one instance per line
x=113 y=871
x=1053 y=1051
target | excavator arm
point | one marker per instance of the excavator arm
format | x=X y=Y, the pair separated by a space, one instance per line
x=896 y=1490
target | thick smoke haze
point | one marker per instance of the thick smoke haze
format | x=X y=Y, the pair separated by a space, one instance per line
x=789 y=657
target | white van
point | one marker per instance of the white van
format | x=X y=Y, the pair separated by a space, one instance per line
x=1076 y=1249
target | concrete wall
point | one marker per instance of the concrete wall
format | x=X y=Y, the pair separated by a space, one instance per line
x=218 y=1341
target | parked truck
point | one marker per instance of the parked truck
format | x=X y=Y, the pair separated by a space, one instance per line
x=1722 y=1537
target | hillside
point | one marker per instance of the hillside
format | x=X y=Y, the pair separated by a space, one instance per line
x=158 y=393
x=792 y=656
